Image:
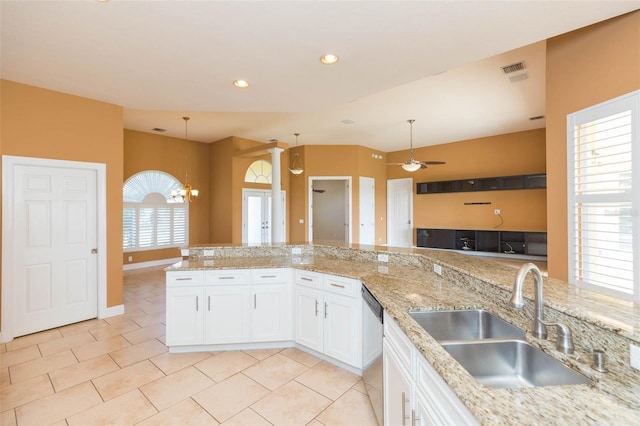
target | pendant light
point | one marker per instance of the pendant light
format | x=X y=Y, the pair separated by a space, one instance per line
x=411 y=165
x=186 y=194
x=296 y=166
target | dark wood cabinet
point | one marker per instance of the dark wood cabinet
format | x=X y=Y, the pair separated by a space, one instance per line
x=501 y=183
x=506 y=242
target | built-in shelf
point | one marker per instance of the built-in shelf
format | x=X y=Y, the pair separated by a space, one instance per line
x=500 y=183
x=506 y=242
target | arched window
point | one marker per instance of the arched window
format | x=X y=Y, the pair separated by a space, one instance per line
x=258 y=172
x=151 y=218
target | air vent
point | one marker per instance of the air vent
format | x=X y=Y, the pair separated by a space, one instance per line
x=273 y=140
x=519 y=66
x=518 y=77
x=347 y=121
x=537 y=117
x=158 y=129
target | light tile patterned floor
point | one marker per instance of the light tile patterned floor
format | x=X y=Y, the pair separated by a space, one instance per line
x=118 y=372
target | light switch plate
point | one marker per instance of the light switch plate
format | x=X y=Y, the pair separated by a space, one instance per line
x=634 y=356
x=296 y=250
x=382 y=257
x=208 y=253
x=383 y=269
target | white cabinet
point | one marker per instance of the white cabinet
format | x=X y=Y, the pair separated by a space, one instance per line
x=328 y=316
x=228 y=306
x=185 y=317
x=414 y=393
x=227 y=314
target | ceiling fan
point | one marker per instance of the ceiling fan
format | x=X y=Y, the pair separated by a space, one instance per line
x=411 y=165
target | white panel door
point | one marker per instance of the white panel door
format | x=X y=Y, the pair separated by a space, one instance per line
x=367 y=210
x=400 y=212
x=55 y=264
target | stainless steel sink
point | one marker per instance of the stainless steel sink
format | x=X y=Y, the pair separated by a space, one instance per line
x=465 y=325
x=512 y=364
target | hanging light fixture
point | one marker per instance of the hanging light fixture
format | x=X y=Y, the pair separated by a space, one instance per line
x=186 y=194
x=411 y=164
x=296 y=166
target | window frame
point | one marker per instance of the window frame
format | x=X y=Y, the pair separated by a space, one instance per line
x=630 y=101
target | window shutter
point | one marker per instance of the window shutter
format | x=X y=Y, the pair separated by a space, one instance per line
x=146 y=225
x=129 y=228
x=601 y=202
x=180 y=226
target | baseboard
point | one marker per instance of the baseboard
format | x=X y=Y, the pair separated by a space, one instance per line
x=111 y=311
x=151 y=263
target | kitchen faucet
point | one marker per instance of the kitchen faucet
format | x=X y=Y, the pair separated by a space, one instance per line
x=564 y=340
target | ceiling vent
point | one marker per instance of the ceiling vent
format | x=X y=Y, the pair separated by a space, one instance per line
x=537 y=117
x=508 y=69
x=518 y=77
x=158 y=129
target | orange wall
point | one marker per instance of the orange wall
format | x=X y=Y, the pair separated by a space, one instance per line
x=584 y=67
x=502 y=155
x=146 y=151
x=47 y=124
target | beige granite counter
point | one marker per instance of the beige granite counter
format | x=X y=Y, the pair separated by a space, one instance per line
x=407 y=282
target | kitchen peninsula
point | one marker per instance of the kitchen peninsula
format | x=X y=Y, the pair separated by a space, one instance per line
x=407 y=281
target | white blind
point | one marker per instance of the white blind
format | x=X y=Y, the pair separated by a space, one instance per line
x=146 y=226
x=180 y=225
x=601 y=202
x=129 y=228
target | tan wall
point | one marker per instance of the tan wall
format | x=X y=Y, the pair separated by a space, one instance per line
x=147 y=151
x=584 y=67
x=502 y=155
x=47 y=124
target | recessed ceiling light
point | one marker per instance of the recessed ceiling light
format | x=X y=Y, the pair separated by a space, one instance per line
x=329 y=59
x=241 y=84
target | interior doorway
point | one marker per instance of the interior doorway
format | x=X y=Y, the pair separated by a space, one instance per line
x=400 y=212
x=367 y=207
x=256 y=216
x=330 y=209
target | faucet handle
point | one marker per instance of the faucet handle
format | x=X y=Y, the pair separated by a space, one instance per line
x=564 y=341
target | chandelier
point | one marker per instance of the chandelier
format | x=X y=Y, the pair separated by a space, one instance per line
x=296 y=166
x=186 y=193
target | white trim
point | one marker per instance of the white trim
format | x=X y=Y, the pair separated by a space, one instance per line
x=8 y=164
x=349 y=217
x=150 y=263
x=111 y=311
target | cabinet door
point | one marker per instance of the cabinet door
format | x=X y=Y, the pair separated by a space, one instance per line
x=424 y=412
x=227 y=318
x=185 y=314
x=341 y=340
x=308 y=318
x=269 y=319
x=397 y=391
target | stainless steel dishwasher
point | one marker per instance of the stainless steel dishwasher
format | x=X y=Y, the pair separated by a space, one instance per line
x=372 y=333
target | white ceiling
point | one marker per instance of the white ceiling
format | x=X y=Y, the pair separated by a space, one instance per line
x=437 y=62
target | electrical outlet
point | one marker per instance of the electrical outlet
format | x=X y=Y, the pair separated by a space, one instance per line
x=496 y=211
x=437 y=269
x=208 y=253
x=383 y=257
x=383 y=269
x=130 y=258
x=300 y=220
x=634 y=356
x=296 y=250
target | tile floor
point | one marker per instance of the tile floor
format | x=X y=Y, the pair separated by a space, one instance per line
x=118 y=371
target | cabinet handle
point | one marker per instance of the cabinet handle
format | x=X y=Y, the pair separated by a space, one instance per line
x=414 y=419
x=197 y=304
x=227 y=278
x=208 y=303
x=184 y=279
x=268 y=276
x=325 y=310
x=306 y=279
x=337 y=285
x=404 y=410
x=254 y=302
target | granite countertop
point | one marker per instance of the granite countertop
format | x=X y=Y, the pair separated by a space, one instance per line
x=407 y=282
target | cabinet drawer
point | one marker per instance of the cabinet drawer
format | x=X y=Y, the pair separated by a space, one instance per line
x=399 y=341
x=308 y=279
x=269 y=276
x=184 y=277
x=344 y=286
x=227 y=276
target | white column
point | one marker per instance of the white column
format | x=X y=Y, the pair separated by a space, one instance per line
x=277 y=212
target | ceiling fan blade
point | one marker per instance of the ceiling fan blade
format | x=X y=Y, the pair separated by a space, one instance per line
x=395 y=164
x=433 y=163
